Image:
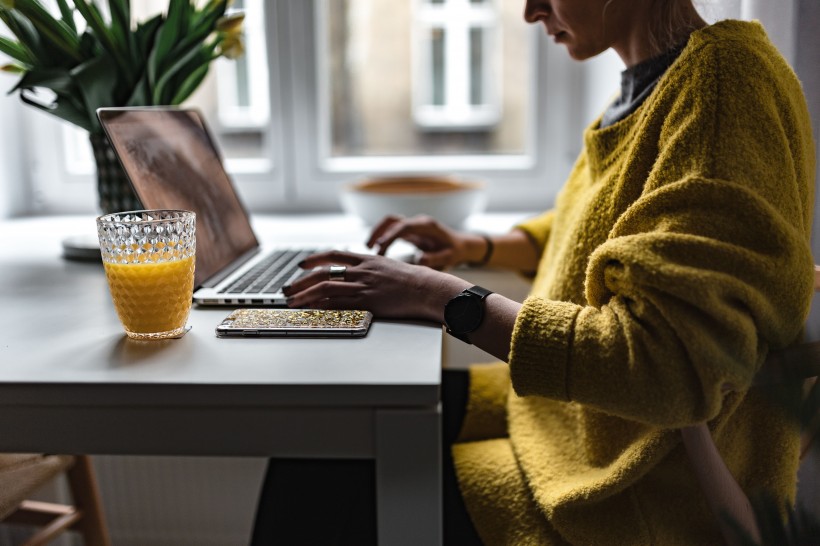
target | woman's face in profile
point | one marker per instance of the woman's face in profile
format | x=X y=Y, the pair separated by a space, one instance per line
x=585 y=27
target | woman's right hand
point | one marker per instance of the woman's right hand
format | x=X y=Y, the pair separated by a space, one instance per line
x=440 y=245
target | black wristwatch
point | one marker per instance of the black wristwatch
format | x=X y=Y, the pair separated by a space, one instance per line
x=465 y=312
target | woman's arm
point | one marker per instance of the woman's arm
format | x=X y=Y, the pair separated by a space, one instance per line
x=394 y=289
x=515 y=250
x=443 y=247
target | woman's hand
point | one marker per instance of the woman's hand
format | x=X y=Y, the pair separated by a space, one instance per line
x=441 y=246
x=386 y=287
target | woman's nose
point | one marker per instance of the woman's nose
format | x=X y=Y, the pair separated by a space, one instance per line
x=534 y=10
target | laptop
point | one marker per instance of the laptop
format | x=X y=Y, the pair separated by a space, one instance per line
x=173 y=162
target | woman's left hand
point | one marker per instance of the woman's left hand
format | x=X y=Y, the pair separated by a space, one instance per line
x=388 y=288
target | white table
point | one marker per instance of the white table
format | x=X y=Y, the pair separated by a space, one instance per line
x=71 y=382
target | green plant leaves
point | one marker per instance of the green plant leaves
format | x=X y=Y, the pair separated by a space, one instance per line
x=162 y=60
x=62 y=107
x=56 y=79
x=24 y=31
x=190 y=84
x=169 y=34
x=15 y=50
x=104 y=34
x=55 y=31
x=96 y=80
x=189 y=62
x=67 y=14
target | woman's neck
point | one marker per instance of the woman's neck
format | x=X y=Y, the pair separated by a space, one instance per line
x=664 y=26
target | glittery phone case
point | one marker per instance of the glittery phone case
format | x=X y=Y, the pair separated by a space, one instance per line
x=294 y=322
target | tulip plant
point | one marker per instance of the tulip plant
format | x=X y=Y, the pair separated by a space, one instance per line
x=88 y=60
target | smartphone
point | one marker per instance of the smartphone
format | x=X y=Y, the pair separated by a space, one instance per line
x=294 y=323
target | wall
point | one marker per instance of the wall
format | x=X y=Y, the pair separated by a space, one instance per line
x=807 y=63
x=602 y=78
x=779 y=19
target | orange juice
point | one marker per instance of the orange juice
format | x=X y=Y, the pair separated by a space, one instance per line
x=152 y=298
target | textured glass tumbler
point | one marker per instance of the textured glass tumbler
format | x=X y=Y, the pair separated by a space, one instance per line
x=149 y=260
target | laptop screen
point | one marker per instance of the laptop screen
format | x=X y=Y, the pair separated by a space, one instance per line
x=173 y=163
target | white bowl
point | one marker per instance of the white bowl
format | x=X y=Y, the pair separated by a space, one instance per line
x=446 y=199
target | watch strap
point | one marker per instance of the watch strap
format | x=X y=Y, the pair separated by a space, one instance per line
x=479 y=291
x=461 y=337
x=475 y=291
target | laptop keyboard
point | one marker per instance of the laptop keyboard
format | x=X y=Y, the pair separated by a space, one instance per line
x=270 y=274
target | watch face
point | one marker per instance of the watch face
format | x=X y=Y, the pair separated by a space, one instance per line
x=464 y=313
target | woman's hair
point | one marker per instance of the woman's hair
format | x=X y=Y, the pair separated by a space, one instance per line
x=673 y=23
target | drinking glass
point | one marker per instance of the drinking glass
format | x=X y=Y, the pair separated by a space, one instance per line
x=149 y=260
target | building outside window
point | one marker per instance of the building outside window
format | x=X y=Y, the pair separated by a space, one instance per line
x=457 y=60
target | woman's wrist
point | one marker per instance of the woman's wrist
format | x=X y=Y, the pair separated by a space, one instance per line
x=442 y=288
x=478 y=249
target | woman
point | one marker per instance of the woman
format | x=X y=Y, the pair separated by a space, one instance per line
x=676 y=256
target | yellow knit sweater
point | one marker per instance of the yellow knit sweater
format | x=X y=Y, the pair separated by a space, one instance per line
x=677 y=254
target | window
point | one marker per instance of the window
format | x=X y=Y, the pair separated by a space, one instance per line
x=334 y=90
x=388 y=104
x=242 y=84
x=432 y=87
x=456 y=63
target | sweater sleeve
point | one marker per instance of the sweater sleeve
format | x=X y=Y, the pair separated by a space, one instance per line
x=538 y=229
x=704 y=272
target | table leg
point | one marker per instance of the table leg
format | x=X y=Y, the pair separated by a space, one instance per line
x=408 y=477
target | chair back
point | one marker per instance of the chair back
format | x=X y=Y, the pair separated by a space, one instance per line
x=21 y=474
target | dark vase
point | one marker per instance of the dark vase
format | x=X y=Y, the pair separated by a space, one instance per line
x=113 y=187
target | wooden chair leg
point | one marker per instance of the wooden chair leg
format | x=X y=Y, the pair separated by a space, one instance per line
x=53 y=520
x=86 y=495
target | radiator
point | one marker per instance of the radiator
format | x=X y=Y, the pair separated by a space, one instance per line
x=179 y=501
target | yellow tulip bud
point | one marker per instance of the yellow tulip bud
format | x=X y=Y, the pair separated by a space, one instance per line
x=232 y=47
x=230 y=24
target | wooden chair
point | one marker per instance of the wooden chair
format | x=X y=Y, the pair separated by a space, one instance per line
x=726 y=499
x=22 y=473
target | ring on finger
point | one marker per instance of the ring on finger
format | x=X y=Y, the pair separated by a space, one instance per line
x=336 y=272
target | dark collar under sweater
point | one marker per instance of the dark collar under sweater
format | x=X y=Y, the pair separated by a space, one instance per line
x=637 y=82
